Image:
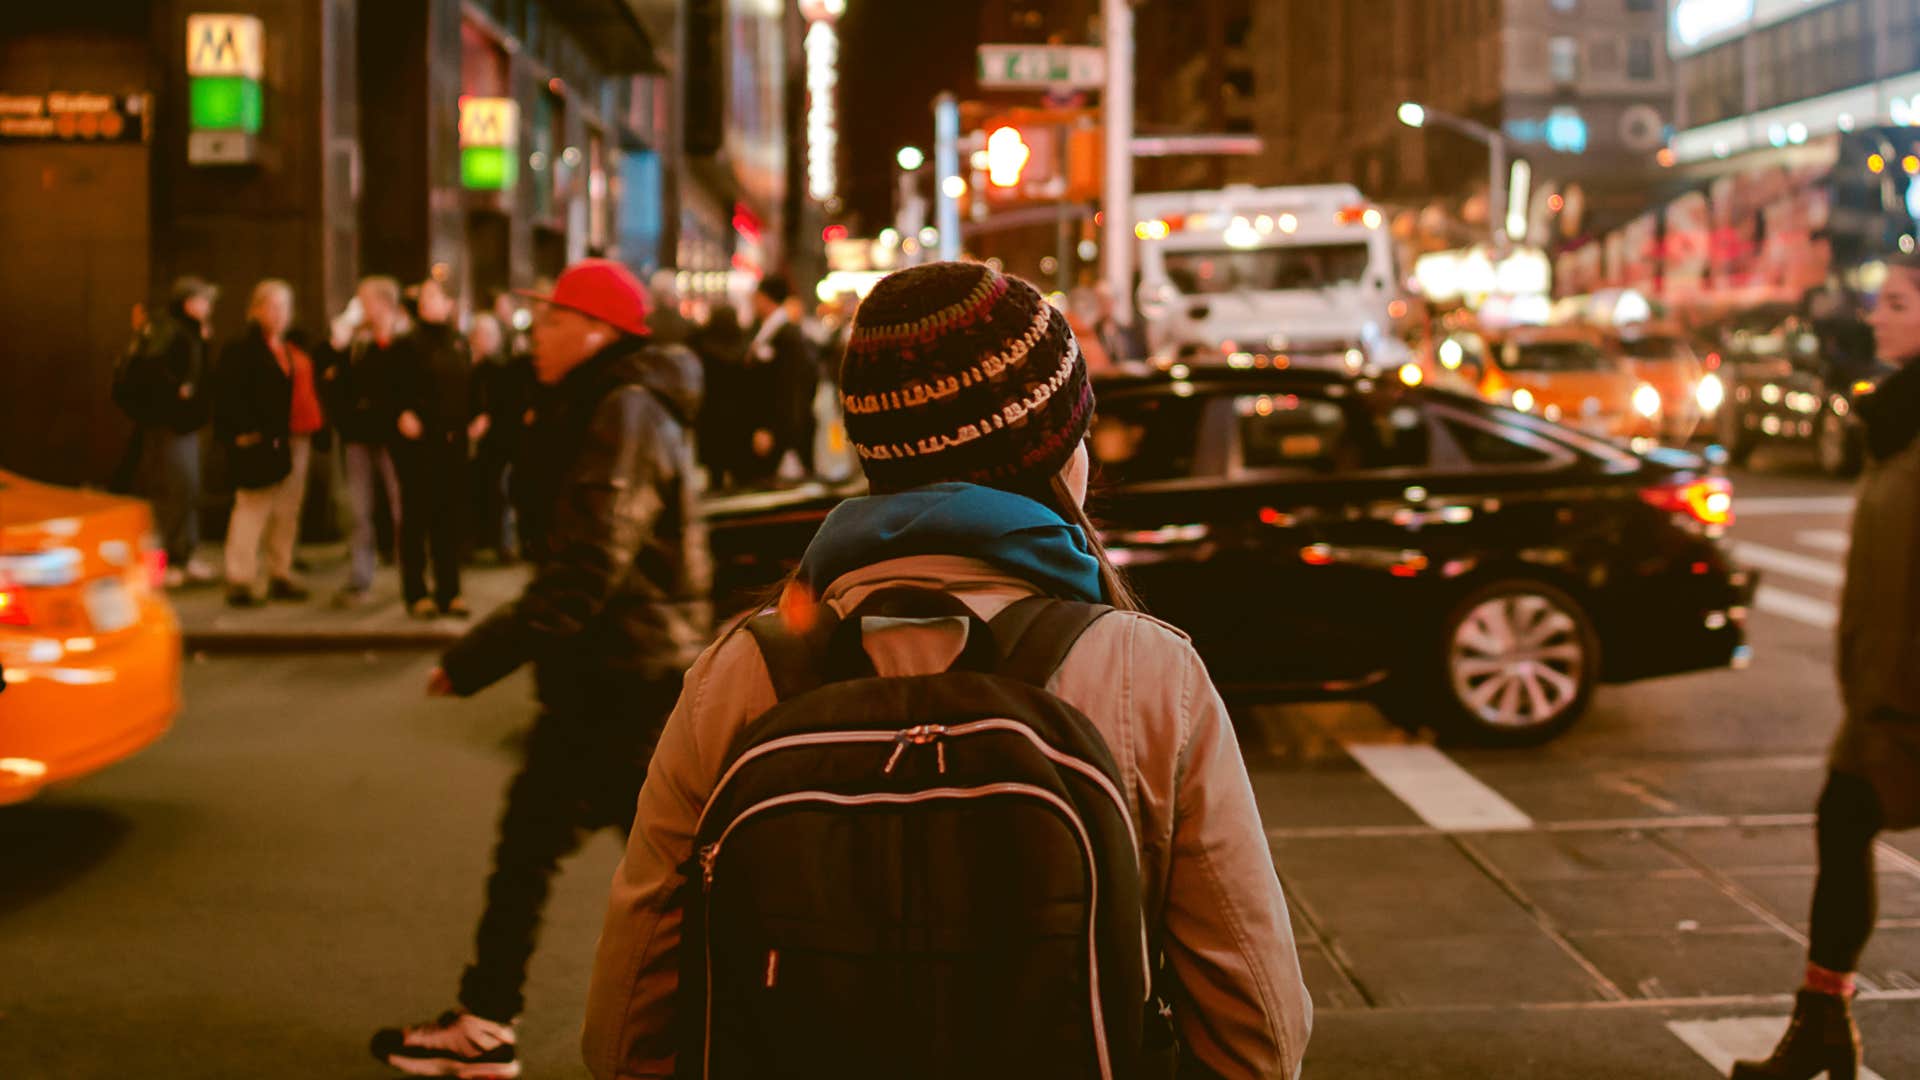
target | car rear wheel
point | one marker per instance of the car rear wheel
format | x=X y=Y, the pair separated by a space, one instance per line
x=1839 y=450
x=1518 y=661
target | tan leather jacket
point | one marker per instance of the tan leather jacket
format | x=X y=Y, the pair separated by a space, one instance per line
x=1209 y=873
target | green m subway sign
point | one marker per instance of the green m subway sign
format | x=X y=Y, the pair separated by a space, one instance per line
x=489 y=143
x=224 y=106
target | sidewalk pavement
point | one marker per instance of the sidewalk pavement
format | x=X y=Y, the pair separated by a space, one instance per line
x=209 y=625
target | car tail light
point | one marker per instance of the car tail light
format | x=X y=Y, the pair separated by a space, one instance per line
x=13 y=604
x=1709 y=502
x=156 y=562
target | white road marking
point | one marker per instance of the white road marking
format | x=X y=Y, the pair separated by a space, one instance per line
x=1774 y=560
x=1782 y=505
x=1830 y=540
x=1801 y=609
x=1723 y=1042
x=1446 y=796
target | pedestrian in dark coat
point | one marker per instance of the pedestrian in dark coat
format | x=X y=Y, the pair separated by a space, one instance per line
x=357 y=380
x=727 y=422
x=1874 y=778
x=783 y=379
x=433 y=391
x=615 y=611
x=167 y=389
x=502 y=397
x=266 y=412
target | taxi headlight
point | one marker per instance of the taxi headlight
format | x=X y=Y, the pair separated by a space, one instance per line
x=1711 y=393
x=1646 y=400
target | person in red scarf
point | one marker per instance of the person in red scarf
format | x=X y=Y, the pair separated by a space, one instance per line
x=266 y=412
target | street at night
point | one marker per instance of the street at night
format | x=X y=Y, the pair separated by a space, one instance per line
x=299 y=860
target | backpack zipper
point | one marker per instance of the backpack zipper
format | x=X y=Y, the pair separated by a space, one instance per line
x=710 y=855
x=922 y=733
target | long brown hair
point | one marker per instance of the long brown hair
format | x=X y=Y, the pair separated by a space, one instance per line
x=1119 y=592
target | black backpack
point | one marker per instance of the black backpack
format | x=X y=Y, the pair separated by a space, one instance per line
x=929 y=876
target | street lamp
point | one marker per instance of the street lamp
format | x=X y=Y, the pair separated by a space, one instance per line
x=1415 y=115
x=910 y=158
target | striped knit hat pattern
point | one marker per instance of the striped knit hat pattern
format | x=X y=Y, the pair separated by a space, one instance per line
x=955 y=371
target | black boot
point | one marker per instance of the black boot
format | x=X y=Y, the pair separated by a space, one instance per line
x=1821 y=1039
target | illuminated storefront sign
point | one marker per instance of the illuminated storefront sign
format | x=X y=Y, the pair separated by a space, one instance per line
x=489 y=143
x=823 y=86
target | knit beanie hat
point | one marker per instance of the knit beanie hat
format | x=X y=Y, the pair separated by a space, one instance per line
x=955 y=371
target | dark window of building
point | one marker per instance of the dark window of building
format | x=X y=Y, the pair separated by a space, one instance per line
x=1640 y=5
x=1640 y=58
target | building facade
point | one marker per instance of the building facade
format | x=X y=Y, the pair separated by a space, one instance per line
x=1758 y=74
x=486 y=143
x=1581 y=88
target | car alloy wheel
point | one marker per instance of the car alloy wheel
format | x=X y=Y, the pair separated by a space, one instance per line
x=1519 y=661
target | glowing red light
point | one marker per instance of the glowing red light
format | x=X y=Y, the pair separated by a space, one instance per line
x=833 y=232
x=1556 y=202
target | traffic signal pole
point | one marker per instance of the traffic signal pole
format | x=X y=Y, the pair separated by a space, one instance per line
x=1117 y=240
x=946 y=163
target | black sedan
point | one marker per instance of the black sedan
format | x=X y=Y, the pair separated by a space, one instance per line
x=1470 y=568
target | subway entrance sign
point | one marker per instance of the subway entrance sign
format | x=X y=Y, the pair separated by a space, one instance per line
x=224 y=101
x=489 y=143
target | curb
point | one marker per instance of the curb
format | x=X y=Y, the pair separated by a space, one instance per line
x=242 y=643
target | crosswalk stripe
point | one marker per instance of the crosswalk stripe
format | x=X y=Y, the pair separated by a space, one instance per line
x=1781 y=505
x=1446 y=796
x=1792 y=605
x=1806 y=568
x=1723 y=1042
x=1833 y=540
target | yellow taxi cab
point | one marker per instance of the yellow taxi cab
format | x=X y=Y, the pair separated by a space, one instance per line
x=89 y=648
x=1568 y=375
x=1683 y=392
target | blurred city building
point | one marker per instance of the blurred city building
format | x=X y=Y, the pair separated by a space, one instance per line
x=1583 y=89
x=485 y=142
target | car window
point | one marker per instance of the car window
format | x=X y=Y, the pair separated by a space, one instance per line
x=1320 y=435
x=1652 y=348
x=1485 y=447
x=1553 y=356
x=1140 y=439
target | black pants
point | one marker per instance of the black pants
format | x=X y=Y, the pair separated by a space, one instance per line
x=492 y=528
x=433 y=495
x=584 y=767
x=1845 y=900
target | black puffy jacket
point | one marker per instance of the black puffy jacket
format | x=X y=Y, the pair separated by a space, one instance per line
x=165 y=380
x=621 y=567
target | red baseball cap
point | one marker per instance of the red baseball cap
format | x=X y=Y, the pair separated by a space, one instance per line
x=600 y=289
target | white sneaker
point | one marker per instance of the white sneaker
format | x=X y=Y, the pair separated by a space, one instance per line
x=459 y=1044
x=173 y=578
x=201 y=573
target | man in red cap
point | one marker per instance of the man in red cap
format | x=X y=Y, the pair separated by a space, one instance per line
x=615 y=611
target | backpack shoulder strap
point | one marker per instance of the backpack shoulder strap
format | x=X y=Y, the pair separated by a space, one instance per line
x=793 y=660
x=1035 y=635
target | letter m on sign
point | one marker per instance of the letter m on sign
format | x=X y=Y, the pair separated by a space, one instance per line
x=226 y=45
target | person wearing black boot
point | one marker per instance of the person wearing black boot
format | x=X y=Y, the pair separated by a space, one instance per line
x=1874 y=778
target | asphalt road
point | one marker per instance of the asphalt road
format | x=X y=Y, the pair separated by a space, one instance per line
x=300 y=862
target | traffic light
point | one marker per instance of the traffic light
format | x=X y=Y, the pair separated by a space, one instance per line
x=1007 y=155
x=833 y=232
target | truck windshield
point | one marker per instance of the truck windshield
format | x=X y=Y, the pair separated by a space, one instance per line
x=1305 y=266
